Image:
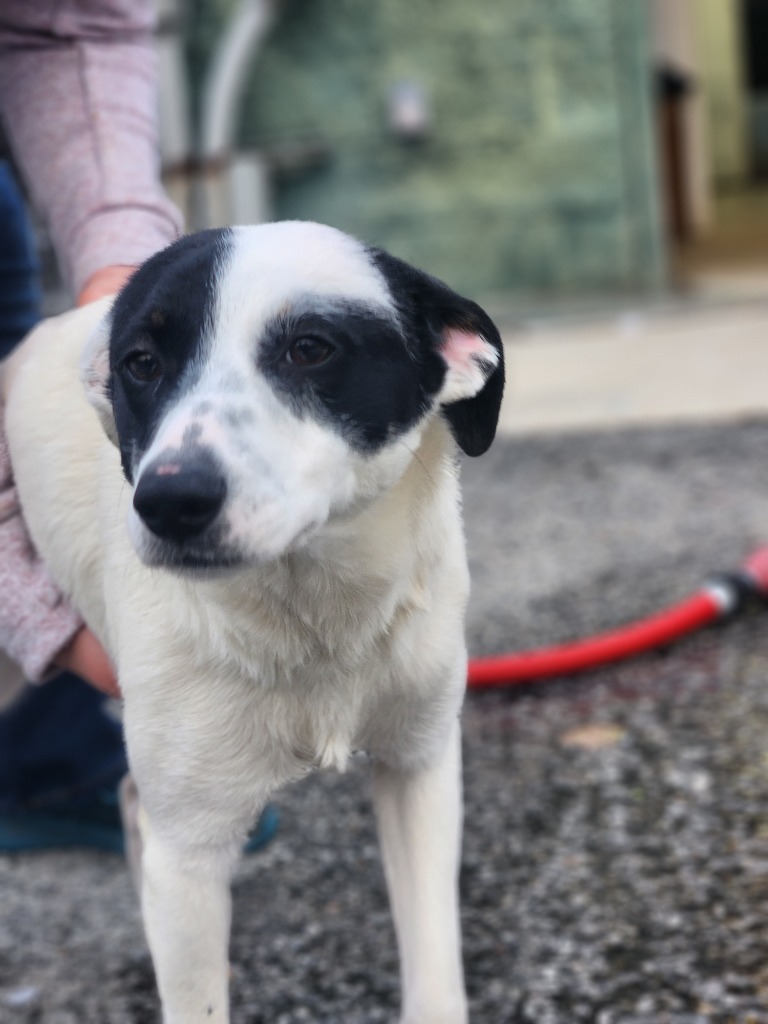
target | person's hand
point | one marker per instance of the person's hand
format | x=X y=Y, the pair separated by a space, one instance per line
x=85 y=656
x=106 y=281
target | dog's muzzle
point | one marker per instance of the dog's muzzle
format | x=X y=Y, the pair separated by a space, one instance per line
x=179 y=497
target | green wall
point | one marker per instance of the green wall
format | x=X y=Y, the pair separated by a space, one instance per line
x=537 y=175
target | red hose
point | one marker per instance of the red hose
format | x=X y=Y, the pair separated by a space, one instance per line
x=701 y=609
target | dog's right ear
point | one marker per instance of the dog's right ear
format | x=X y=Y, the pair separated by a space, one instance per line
x=95 y=375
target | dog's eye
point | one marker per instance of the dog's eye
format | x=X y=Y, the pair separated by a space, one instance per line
x=143 y=367
x=309 y=352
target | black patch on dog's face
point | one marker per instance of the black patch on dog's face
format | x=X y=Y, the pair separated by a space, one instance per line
x=350 y=366
x=370 y=371
x=161 y=321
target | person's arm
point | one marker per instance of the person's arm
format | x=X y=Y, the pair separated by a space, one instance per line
x=38 y=628
x=78 y=96
x=35 y=622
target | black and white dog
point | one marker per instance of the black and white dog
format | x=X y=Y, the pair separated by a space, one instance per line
x=283 y=579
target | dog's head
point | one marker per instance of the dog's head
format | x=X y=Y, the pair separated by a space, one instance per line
x=260 y=381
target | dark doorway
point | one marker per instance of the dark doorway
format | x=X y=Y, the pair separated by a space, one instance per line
x=755 y=42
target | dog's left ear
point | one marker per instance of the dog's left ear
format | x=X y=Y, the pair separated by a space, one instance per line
x=95 y=375
x=467 y=342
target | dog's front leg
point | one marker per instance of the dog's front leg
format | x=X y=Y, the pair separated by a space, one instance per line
x=419 y=816
x=186 y=905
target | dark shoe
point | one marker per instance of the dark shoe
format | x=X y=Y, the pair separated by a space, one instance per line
x=93 y=823
x=96 y=823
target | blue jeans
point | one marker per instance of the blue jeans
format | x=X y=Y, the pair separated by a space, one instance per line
x=19 y=288
x=58 y=745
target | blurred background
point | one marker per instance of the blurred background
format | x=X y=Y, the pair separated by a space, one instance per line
x=567 y=148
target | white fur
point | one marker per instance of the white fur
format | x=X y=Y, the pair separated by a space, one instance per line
x=344 y=631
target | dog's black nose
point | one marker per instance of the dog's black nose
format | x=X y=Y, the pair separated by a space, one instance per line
x=177 y=500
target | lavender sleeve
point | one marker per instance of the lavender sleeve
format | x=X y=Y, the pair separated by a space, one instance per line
x=35 y=621
x=78 y=99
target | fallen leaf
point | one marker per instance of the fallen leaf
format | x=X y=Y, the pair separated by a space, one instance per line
x=594 y=736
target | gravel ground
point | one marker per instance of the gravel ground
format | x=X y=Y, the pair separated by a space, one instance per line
x=616 y=849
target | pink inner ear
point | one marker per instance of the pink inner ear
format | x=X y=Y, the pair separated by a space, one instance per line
x=459 y=347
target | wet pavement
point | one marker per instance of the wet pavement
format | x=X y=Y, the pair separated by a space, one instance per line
x=616 y=847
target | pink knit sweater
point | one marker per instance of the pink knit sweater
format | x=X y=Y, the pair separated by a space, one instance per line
x=77 y=98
